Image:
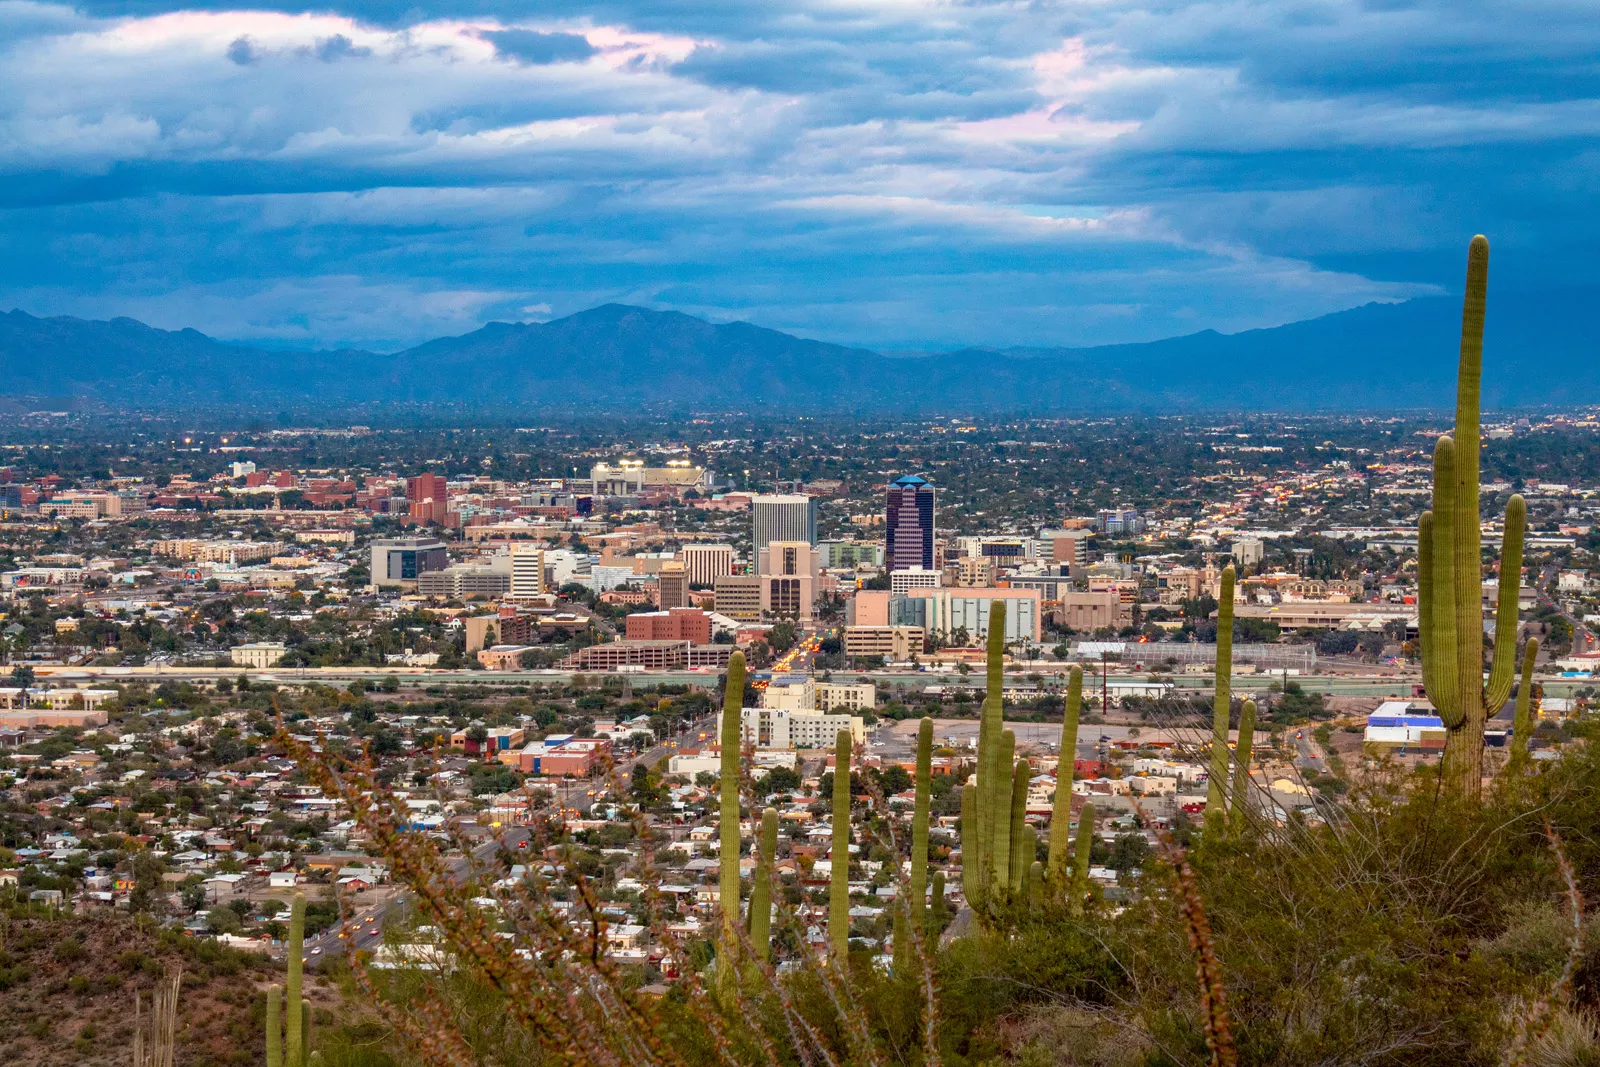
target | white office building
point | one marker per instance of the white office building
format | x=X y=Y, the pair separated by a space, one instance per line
x=785 y=729
x=527 y=570
x=782 y=517
x=706 y=563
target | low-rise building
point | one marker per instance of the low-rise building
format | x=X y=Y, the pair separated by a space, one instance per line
x=257 y=654
x=893 y=643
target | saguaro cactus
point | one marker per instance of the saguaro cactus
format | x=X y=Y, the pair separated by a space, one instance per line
x=288 y=1013
x=1080 y=859
x=1221 y=704
x=1240 y=794
x=919 y=823
x=839 y=860
x=936 y=911
x=761 y=889
x=1450 y=565
x=1061 y=807
x=274 y=1025
x=732 y=739
x=294 y=1030
x=1522 y=721
x=1023 y=841
x=1035 y=886
x=994 y=776
x=1000 y=829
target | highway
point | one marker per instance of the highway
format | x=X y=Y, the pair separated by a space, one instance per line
x=1375 y=683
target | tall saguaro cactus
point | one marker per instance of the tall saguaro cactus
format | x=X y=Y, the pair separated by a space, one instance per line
x=1221 y=704
x=732 y=740
x=288 y=1013
x=274 y=1025
x=1061 y=807
x=1450 y=565
x=1522 y=721
x=936 y=910
x=1240 y=793
x=919 y=823
x=761 y=888
x=991 y=809
x=294 y=1030
x=839 y=860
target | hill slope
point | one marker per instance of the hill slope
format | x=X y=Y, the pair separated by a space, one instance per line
x=618 y=357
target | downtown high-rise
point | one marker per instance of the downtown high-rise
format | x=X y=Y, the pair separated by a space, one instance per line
x=909 y=524
x=782 y=517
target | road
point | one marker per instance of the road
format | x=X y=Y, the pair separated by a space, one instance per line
x=1375 y=683
x=1307 y=756
x=365 y=928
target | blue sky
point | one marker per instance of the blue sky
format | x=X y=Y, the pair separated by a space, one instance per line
x=899 y=173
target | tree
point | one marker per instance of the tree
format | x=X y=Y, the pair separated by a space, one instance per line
x=782 y=636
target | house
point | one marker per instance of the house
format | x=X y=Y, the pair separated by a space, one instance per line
x=282 y=880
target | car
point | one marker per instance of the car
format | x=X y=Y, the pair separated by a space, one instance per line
x=522 y=844
x=316 y=952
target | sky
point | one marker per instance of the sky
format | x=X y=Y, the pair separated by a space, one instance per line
x=902 y=174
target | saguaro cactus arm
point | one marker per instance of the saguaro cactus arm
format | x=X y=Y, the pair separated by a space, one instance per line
x=1061 y=806
x=1023 y=844
x=1082 y=849
x=919 y=820
x=994 y=774
x=936 y=911
x=1442 y=637
x=1505 y=616
x=761 y=888
x=1000 y=831
x=732 y=739
x=971 y=883
x=839 y=859
x=1222 y=698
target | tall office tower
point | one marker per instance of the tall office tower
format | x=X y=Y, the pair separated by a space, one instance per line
x=707 y=563
x=909 y=524
x=425 y=487
x=672 y=586
x=527 y=570
x=782 y=518
x=427 y=496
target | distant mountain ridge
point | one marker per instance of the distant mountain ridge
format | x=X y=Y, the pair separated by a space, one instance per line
x=1539 y=351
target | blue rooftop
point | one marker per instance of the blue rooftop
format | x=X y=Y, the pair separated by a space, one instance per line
x=908 y=480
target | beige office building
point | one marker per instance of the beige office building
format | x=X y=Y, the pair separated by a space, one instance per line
x=672 y=586
x=895 y=644
x=738 y=596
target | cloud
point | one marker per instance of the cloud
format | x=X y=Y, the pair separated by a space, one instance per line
x=891 y=172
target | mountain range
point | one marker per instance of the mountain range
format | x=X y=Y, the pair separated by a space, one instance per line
x=1540 y=351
